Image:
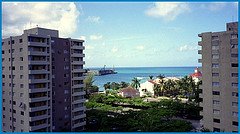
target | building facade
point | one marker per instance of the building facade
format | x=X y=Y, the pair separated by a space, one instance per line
x=219 y=89
x=42 y=82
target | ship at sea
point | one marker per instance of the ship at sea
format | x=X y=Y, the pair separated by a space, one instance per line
x=102 y=71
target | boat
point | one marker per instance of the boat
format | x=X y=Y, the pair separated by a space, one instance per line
x=105 y=71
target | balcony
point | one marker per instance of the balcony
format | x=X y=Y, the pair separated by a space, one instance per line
x=79 y=70
x=77 y=55
x=78 y=62
x=33 y=128
x=79 y=109
x=36 y=90
x=44 y=98
x=44 y=80
x=78 y=47
x=199 y=51
x=38 y=53
x=78 y=78
x=79 y=101
x=43 y=71
x=78 y=86
x=78 y=93
x=79 y=116
x=45 y=116
x=79 y=124
x=34 y=109
x=38 y=44
x=199 y=60
x=38 y=62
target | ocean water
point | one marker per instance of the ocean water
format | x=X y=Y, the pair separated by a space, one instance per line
x=126 y=74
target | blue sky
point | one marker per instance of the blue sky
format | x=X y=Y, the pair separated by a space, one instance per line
x=133 y=34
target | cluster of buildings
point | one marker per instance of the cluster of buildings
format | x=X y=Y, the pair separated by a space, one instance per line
x=43 y=90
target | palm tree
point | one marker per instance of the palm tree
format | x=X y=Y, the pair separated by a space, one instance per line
x=157 y=89
x=150 y=77
x=136 y=83
x=162 y=83
x=107 y=85
x=123 y=84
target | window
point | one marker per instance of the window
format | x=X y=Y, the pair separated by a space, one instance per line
x=234 y=94
x=66 y=67
x=215 y=111
x=22 y=122
x=20 y=40
x=21 y=85
x=234 y=104
x=234 y=45
x=214 y=37
x=22 y=113
x=215 y=84
x=66 y=116
x=215 y=74
x=21 y=94
x=14 y=111
x=21 y=58
x=216 y=120
x=66 y=91
x=53 y=76
x=234 y=64
x=234 y=36
x=235 y=114
x=65 y=108
x=14 y=102
x=215 y=47
x=66 y=75
x=3 y=100
x=53 y=67
x=65 y=83
x=65 y=51
x=235 y=123
x=3 y=76
x=3 y=59
x=215 y=56
x=21 y=67
x=234 y=74
x=234 y=84
x=21 y=76
x=234 y=55
x=20 y=49
x=66 y=59
x=2 y=51
x=13 y=41
x=3 y=84
x=215 y=92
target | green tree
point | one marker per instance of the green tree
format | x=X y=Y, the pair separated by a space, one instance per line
x=123 y=84
x=107 y=85
x=151 y=77
x=89 y=87
x=136 y=83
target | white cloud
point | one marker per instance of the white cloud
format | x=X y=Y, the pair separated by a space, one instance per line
x=19 y=16
x=188 y=48
x=140 y=47
x=82 y=38
x=89 y=47
x=114 y=50
x=93 y=19
x=167 y=10
x=95 y=37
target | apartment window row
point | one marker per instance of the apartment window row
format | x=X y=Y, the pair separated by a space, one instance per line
x=234 y=64
x=235 y=123
x=234 y=104
x=234 y=55
x=215 y=83
x=216 y=102
x=234 y=94
x=215 y=65
x=215 y=92
x=234 y=45
x=235 y=114
x=234 y=74
x=215 y=74
x=234 y=36
x=234 y=84
x=215 y=111
x=216 y=120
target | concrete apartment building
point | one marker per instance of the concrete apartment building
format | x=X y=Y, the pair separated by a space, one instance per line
x=42 y=82
x=219 y=89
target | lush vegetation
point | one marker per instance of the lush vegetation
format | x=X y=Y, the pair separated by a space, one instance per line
x=106 y=113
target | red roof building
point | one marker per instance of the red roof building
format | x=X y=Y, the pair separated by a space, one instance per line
x=196 y=73
x=129 y=92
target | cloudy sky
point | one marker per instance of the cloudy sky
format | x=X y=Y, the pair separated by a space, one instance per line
x=126 y=34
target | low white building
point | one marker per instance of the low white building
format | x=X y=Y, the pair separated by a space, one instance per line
x=147 y=88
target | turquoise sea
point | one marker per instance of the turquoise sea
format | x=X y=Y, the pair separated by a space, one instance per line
x=126 y=74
